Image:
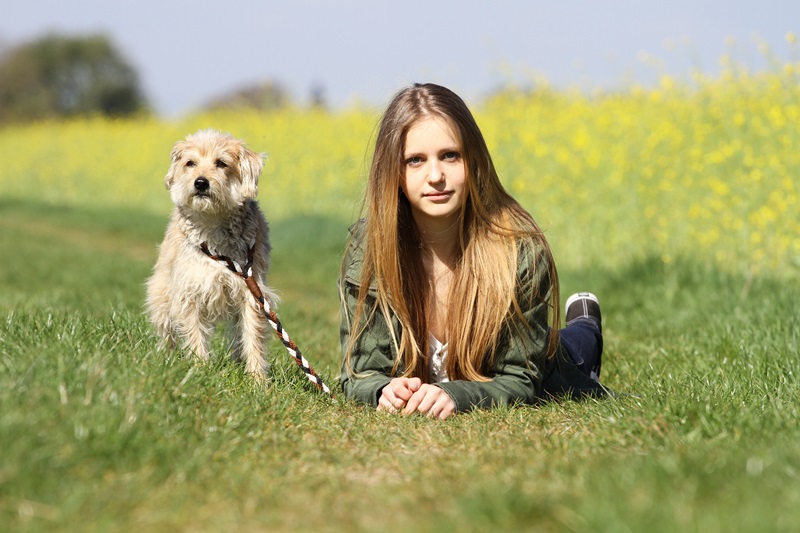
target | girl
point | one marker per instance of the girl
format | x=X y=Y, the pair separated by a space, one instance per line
x=448 y=283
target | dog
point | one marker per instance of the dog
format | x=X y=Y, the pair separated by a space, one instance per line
x=213 y=184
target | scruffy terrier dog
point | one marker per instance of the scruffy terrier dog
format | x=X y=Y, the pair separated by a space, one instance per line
x=213 y=182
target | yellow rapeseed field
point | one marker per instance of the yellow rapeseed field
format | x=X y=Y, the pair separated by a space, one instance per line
x=707 y=169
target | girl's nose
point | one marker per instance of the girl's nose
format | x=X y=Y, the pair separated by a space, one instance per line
x=435 y=172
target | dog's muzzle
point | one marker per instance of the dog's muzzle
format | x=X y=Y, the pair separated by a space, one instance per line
x=202 y=186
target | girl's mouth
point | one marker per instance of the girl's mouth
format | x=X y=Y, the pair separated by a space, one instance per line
x=439 y=195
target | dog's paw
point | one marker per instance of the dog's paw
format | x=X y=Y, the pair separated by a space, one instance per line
x=258 y=370
x=261 y=378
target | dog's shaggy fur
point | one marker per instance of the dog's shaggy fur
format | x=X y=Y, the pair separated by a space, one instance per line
x=213 y=182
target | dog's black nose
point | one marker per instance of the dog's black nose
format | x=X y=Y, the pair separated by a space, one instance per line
x=201 y=184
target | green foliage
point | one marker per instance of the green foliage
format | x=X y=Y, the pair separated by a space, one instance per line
x=265 y=96
x=100 y=430
x=58 y=76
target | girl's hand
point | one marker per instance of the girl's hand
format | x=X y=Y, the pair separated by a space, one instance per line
x=396 y=394
x=432 y=401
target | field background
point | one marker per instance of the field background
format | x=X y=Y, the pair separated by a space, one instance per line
x=677 y=205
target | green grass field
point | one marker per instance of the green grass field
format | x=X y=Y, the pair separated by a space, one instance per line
x=100 y=431
x=677 y=206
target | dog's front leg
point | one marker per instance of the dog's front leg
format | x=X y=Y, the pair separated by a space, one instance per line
x=195 y=332
x=254 y=330
x=167 y=338
x=158 y=305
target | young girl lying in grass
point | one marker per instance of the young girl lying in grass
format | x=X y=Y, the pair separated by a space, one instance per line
x=448 y=283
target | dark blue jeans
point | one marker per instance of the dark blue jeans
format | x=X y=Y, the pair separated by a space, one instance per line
x=583 y=342
x=574 y=369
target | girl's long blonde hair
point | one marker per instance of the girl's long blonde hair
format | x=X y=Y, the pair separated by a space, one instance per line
x=493 y=227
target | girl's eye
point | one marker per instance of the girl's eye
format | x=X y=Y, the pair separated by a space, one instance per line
x=190 y=163
x=451 y=156
x=413 y=161
x=220 y=163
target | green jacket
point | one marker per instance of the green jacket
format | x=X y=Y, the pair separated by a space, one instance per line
x=519 y=374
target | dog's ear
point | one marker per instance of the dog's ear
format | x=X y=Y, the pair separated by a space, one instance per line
x=250 y=165
x=175 y=155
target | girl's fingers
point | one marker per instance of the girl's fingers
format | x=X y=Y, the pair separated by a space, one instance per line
x=443 y=408
x=390 y=400
x=400 y=389
x=427 y=399
x=412 y=405
x=384 y=404
x=430 y=400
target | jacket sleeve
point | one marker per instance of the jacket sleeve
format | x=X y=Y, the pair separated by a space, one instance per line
x=516 y=374
x=373 y=353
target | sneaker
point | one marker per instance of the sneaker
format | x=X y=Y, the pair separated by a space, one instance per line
x=583 y=305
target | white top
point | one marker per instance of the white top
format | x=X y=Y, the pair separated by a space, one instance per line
x=438 y=353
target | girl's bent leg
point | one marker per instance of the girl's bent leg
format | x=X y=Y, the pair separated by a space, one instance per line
x=582 y=340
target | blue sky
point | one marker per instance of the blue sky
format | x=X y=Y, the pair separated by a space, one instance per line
x=359 y=50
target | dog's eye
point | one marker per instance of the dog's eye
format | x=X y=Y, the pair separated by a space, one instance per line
x=220 y=163
x=190 y=163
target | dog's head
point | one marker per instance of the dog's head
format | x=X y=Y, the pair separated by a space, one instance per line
x=212 y=172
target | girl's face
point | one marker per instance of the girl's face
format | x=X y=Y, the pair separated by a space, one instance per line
x=435 y=174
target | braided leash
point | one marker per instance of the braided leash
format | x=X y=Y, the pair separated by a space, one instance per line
x=246 y=273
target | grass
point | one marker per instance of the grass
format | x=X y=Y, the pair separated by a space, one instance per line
x=101 y=431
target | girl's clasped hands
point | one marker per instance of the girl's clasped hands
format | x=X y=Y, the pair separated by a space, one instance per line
x=410 y=395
